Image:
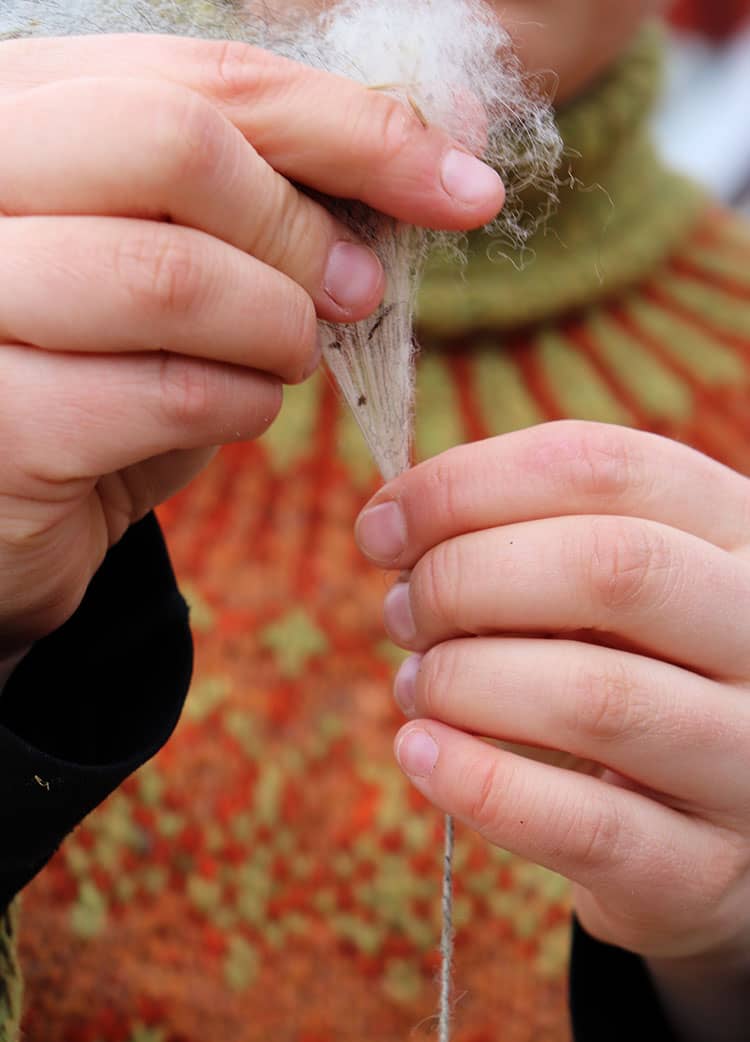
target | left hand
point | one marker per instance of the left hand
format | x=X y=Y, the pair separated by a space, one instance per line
x=584 y=588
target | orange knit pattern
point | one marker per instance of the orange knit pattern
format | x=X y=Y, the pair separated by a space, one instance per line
x=270 y=876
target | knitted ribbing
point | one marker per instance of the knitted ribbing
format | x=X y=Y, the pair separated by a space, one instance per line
x=621 y=211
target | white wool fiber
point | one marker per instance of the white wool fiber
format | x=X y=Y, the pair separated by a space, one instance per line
x=453 y=64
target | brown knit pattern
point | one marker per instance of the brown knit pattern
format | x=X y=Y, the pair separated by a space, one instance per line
x=270 y=875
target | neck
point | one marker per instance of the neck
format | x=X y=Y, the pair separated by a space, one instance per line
x=620 y=212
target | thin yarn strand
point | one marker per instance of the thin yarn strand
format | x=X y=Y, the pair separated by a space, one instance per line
x=445 y=1017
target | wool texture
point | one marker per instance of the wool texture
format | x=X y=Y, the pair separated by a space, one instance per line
x=270 y=875
x=452 y=63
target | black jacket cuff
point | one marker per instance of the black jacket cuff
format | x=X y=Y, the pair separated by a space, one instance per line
x=91 y=702
x=612 y=996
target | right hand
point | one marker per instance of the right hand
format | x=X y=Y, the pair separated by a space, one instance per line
x=160 y=274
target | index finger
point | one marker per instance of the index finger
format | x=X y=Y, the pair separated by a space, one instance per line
x=555 y=470
x=324 y=131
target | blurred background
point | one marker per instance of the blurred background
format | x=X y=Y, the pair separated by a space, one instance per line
x=709 y=76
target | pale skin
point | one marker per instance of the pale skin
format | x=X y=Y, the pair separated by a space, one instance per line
x=181 y=274
x=586 y=588
x=633 y=554
x=572 y=42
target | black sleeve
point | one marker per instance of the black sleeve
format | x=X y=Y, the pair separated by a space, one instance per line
x=612 y=996
x=91 y=702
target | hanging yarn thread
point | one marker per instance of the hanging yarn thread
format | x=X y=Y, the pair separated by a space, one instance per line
x=452 y=64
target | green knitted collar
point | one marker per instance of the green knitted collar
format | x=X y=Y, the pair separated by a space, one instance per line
x=620 y=217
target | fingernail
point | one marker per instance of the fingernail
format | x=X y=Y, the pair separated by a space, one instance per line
x=353 y=275
x=417 y=752
x=381 y=532
x=468 y=179
x=399 y=620
x=314 y=361
x=405 y=685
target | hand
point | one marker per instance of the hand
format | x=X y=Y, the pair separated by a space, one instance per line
x=160 y=274
x=585 y=588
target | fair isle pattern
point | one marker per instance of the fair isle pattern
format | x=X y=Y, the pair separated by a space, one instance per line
x=270 y=875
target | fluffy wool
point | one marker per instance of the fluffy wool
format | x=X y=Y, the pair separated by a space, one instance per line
x=452 y=63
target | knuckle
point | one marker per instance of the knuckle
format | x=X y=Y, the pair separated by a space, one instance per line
x=283 y=230
x=600 y=462
x=381 y=132
x=234 y=68
x=394 y=127
x=160 y=271
x=436 y=583
x=186 y=391
x=444 y=489
x=485 y=807
x=606 y=704
x=629 y=565
x=594 y=835
x=198 y=140
x=438 y=677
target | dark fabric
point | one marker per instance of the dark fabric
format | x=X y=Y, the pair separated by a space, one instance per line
x=91 y=702
x=612 y=996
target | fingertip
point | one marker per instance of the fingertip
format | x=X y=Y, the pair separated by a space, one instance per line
x=416 y=750
x=471 y=183
x=398 y=616
x=380 y=532
x=405 y=685
x=353 y=283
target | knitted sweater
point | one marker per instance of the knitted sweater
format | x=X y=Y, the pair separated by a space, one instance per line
x=270 y=874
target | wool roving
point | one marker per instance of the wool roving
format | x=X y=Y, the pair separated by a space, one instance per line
x=452 y=63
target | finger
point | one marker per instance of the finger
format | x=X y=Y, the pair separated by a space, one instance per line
x=128 y=494
x=112 y=284
x=321 y=130
x=642 y=718
x=94 y=414
x=569 y=467
x=606 y=839
x=83 y=147
x=658 y=590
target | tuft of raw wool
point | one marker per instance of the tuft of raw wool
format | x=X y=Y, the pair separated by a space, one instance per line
x=453 y=64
